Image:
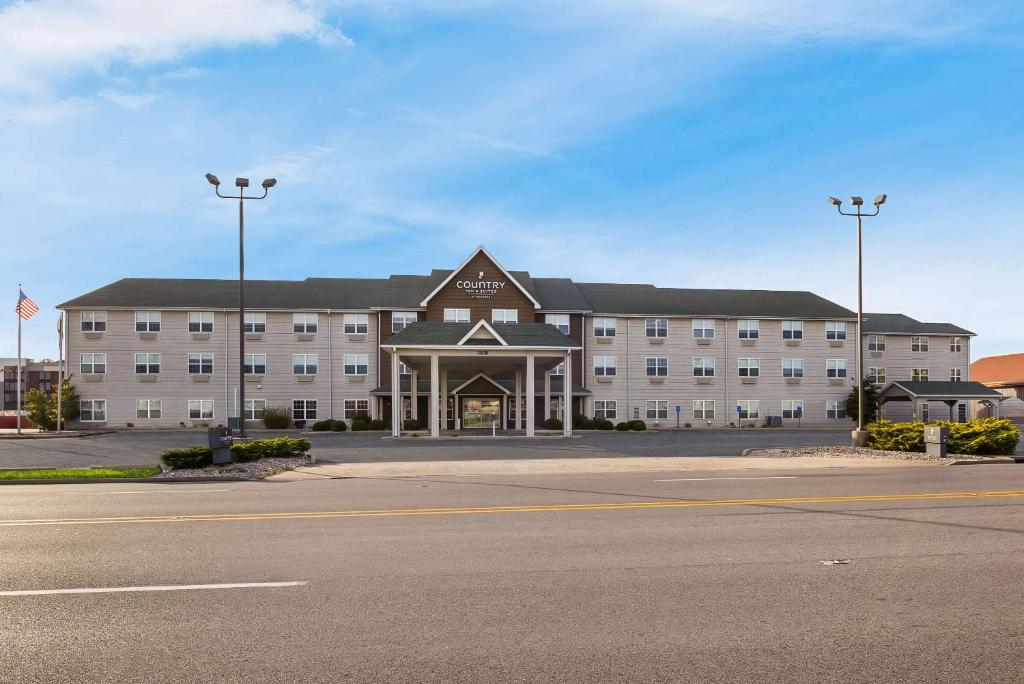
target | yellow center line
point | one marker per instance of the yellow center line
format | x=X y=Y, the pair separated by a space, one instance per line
x=536 y=508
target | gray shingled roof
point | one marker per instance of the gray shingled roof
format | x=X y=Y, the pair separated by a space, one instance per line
x=901 y=324
x=423 y=387
x=432 y=333
x=942 y=388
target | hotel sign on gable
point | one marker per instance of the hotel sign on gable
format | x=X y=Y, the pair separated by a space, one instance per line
x=480 y=288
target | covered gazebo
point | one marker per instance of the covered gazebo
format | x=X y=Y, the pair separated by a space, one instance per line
x=947 y=392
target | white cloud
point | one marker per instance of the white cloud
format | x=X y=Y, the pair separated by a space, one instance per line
x=127 y=100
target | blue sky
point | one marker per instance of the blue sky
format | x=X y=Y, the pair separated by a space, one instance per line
x=676 y=142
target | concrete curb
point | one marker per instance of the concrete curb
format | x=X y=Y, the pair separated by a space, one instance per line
x=746 y=453
x=137 y=480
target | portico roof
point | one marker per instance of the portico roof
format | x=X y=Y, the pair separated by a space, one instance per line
x=432 y=334
x=937 y=390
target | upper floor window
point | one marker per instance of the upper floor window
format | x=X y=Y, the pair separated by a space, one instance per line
x=604 y=365
x=355 y=323
x=835 y=368
x=456 y=315
x=94 y=321
x=305 y=323
x=955 y=375
x=792 y=330
x=560 y=321
x=656 y=327
x=255 y=364
x=559 y=370
x=147 y=364
x=657 y=366
x=200 y=363
x=835 y=330
x=749 y=368
x=749 y=330
x=919 y=374
x=304 y=364
x=703 y=328
x=604 y=327
x=403 y=369
x=876 y=376
x=954 y=344
x=356 y=364
x=792 y=368
x=93 y=363
x=876 y=342
x=200 y=321
x=703 y=366
x=147 y=321
x=919 y=344
x=504 y=315
x=401 y=319
x=255 y=322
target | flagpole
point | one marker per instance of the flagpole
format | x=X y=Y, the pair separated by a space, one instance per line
x=17 y=406
x=60 y=368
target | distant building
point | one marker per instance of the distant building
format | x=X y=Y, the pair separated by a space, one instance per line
x=42 y=375
x=1005 y=374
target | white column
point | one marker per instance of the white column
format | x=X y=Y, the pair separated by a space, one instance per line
x=547 y=394
x=413 y=396
x=530 y=391
x=443 y=408
x=434 y=431
x=517 y=422
x=567 y=393
x=396 y=397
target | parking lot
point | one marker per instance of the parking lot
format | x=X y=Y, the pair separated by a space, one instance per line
x=143 y=447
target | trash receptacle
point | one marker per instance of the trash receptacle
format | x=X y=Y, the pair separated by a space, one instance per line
x=219 y=440
x=935 y=439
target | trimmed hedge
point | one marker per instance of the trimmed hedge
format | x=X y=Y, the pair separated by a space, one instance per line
x=414 y=424
x=622 y=427
x=243 y=452
x=276 y=418
x=552 y=424
x=603 y=424
x=582 y=423
x=192 y=457
x=984 y=436
x=637 y=425
x=329 y=426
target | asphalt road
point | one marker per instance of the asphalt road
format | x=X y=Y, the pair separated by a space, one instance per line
x=144 y=447
x=613 y=577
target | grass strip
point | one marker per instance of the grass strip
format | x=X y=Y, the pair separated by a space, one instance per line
x=77 y=473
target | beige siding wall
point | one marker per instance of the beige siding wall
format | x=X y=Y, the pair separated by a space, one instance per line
x=899 y=361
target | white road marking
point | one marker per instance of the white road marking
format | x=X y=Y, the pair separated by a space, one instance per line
x=167 y=491
x=704 y=479
x=164 y=587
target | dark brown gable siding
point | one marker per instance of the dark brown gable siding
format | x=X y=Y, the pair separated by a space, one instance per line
x=479 y=386
x=576 y=333
x=452 y=297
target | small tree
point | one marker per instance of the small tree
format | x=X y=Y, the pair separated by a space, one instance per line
x=39 y=409
x=870 y=403
x=70 y=407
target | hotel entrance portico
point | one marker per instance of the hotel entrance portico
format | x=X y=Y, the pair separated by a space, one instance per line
x=482 y=374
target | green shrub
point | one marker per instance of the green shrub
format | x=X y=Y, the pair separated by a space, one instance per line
x=360 y=424
x=377 y=425
x=276 y=418
x=191 y=457
x=984 y=436
x=582 y=423
x=552 y=424
x=637 y=425
x=338 y=426
x=411 y=424
x=322 y=425
x=603 y=424
x=277 y=447
x=622 y=427
x=886 y=435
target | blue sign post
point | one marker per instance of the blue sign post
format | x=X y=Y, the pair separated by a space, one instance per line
x=679 y=409
x=739 y=420
x=799 y=414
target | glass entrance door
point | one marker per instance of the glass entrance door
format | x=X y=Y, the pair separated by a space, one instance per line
x=480 y=413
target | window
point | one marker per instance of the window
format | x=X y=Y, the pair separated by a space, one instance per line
x=749 y=368
x=657 y=409
x=954 y=344
x=835 y=330
x=919 y=374
x=511 y=404
x=606 y=408
x=703 y=328
x=255 y=364
x=304 y=409
x=255 y=322
x=704 y=409
x=792 y=408
x=792 y=330
x=355 y=323
x=456 y=315
x=604 y=327
x=504 y=316
x=92 y=410
x=954 y=375
x=355 y=364
x=254 y=409
x=200 y=409
x=147 y=363
x=876 y=376
x=919 y=344
x=604 y=365
x=356 y=407
x=924 y=412
x=94 y=321
x=748 y=409
x=200 y=362
x=656 y=327
x=792 y=368
x=876 y=342
x=657 y=366
x=749 y=330
x=403 y=369
x=558 y=370
x=835 y=409
x=401 y=319
x=200 y=321
x=305 y=364
x=147 y=321
x=560 y=321
x=835 y=368
x=305 y=323
x=703 y=366
x=147 y=409
x=94 y=363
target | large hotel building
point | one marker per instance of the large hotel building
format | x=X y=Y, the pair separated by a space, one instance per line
x=472 y=344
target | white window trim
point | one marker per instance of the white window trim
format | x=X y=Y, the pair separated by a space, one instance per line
x=355 y=320
x=365 y=358
x=454 y=315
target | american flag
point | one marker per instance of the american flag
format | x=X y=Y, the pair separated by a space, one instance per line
x=26 y=307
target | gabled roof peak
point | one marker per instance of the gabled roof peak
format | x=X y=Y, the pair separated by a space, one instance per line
x=481 y=250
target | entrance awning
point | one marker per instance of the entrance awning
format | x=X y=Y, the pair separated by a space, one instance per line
x=945 y=391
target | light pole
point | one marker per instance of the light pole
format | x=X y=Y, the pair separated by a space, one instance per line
x=241 y=184
x=860 y=435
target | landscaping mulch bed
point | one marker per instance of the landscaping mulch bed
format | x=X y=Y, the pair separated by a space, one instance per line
x=254 y=470
x=854 y=452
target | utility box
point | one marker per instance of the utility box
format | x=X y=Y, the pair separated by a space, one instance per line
x=936 y=437
x=219 y=440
